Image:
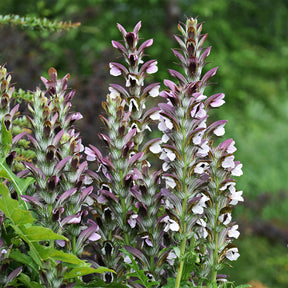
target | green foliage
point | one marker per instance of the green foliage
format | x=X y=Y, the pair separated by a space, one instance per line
x=99 y=284
x=20 y=185
x=6 y=140
x=79 y=271
x=36 y=23
x=139 y=274
x=22 y=223
x=249 y=40
x=171 y=284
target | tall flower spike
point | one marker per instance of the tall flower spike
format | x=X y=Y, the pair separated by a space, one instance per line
x=128 y=203
x=7 y=114
x=195 y=170
x=60 y=198
x=8 y=272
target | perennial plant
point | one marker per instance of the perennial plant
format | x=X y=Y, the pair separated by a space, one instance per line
x=152 y=210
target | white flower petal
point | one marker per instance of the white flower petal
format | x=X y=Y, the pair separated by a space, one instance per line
x=156 y=147
x=171 y=257
x=174 y=226
x=201 y=167
x=197 y=139
x=237 y=171
x=152 y=68
x=165 y=138
x=232 y=254
x=154 y=92
x=155 y=116
x=225 y=218
x=170 y=182
x=233 y=232
x=203 y=150
x=220 y=130
x=231 y=149
x=236 y=197
x=114 y=71
x=165 y=166
x=113 y=93
x=228 y=162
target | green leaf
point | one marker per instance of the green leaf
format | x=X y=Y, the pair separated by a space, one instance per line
x=11 y=209
x=25 y=279
x=20 y=185
x=39 y=233
x=47 y=253
x=81 y=271
x=99 y=284
x=6 y=140
x=24 y=259
x=22 y=222
x=140 y=274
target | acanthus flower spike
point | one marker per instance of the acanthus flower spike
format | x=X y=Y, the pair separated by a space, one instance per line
x=132 y=186
x=59 y=174
x=183 y=122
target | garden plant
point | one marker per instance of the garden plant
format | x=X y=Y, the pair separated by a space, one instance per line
x=152 y=209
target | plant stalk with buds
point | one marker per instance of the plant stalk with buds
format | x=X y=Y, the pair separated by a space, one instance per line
x=193 y=168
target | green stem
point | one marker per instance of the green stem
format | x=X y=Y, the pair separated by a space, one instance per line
x=215 y=259
x=181 y=260
x=183 y=221
x=74 y=245
x=123 y=205
x=216 y=239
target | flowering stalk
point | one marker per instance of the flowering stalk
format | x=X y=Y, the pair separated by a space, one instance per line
x=192 y=166
x=128 y=190
x=223 y=196
x=7 y=115
x=60 y=197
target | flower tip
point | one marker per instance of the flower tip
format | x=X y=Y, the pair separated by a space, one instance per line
x=137 y=27
x=121 y=29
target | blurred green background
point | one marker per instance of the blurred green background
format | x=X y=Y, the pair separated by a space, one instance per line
x=250 y=46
